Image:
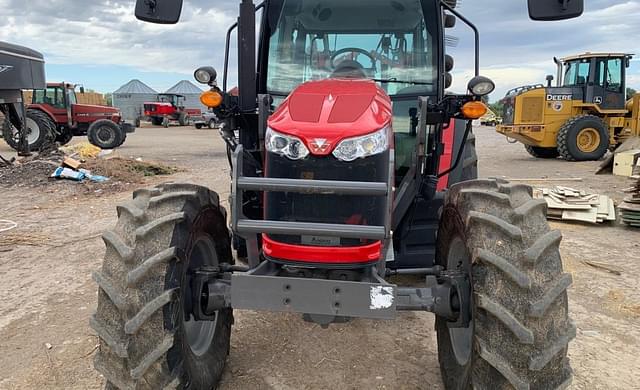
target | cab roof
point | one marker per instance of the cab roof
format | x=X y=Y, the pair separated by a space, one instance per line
x=592 y=55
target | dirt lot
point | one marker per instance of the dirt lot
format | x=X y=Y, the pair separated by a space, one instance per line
x=47 y=295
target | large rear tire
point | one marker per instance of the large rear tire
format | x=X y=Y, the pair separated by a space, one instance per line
x=539 y=152
x=40 y=131
x=520 y=329
x=160 y=238
x=583 y=138
x=106 y=134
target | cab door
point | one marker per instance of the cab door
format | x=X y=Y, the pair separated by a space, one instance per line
x=609 y=86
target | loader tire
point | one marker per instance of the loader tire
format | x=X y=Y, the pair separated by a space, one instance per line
x=539 y=152
x=157 y=121
x=106 y=134
x=520 y=329
x=583 y=138
x=41 y=131
x=160 y=238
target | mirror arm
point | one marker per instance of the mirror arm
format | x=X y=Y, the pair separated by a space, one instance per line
x=226 y=50
x=226 y=56
x=475 y=32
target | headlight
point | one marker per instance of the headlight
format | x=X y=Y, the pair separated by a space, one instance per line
x=359 y=147
x=285 y=145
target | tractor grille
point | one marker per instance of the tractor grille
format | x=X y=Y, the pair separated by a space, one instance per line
x=338 y=209
x=532 y=110
x=150 y=107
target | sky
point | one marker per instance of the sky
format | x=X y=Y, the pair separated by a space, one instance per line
x=100 y=44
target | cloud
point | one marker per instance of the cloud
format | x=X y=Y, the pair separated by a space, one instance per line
x=515 y=50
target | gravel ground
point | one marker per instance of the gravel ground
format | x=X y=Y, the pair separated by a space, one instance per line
x=47 y=296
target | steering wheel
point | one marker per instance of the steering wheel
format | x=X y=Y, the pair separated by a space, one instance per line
x=351 y=50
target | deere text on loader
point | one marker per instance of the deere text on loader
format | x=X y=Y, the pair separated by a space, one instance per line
x=579 y=119
x=350 y=165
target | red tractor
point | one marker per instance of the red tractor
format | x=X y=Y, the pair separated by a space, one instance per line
x=349 y=165
x=169 y=108
x=55 y=115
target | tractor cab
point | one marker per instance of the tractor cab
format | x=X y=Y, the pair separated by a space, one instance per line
x=596 y=78
x=392 y=45
x=176 y=101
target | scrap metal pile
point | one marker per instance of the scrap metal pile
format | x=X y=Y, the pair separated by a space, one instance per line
x=569 y=204
x=630 y=208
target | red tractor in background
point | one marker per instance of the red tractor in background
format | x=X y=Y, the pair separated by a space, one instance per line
x=169 y=107
x=55 y=115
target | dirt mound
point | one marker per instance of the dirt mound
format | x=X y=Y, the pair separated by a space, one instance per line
x=35 y=171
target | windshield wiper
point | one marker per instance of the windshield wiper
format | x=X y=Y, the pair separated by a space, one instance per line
x=395 y=80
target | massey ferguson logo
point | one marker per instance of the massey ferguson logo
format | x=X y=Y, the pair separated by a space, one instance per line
x=319 y=146
x=5 y=68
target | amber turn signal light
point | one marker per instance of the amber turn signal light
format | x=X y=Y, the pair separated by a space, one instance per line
x=473 y=110
x=211 y=99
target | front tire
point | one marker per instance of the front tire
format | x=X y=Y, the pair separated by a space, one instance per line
x=583 y=138
x=106 y=134
x=520 y=329
x=160 y=239
x=539 y=152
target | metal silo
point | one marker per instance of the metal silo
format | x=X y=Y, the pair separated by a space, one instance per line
x=130 y=99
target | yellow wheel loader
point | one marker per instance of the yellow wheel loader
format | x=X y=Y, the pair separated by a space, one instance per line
x=579 y=119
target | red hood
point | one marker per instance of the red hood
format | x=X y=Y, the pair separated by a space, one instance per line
x=88 y=108
x=333 y=110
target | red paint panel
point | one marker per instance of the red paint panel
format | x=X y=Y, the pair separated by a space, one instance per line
x=306 y=107
x=348 y=108
x=318 y=254
x=448 y=137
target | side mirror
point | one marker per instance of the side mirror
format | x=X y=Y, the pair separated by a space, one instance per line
x=82 y=90
x=159 y=11
x=555 y=9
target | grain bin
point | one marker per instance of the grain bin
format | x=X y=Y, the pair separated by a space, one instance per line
x=130 y=99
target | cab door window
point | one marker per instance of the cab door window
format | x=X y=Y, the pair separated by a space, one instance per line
x=614 y=75
x=52 y=96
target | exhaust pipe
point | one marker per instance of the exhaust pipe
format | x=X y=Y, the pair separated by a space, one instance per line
x=559 y=72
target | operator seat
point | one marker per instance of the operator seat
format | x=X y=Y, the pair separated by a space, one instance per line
x=349 y=69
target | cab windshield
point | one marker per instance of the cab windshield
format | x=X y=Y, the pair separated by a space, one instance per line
x=577 y=72
x=387 y=41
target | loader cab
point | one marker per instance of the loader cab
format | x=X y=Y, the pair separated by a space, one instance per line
x=597 y=79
